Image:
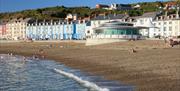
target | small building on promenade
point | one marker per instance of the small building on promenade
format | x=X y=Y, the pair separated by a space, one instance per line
x=16 y=28
x=56 y=30
x=114 y=31
x=103 y=18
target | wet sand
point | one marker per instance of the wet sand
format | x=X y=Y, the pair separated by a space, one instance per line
x=153 y=67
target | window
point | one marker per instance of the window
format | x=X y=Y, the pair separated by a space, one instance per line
x=112 y=32
x=170 y=28
x=164 y=28
x=88 y=31
x=99 y=22
x=159 y=23
x=154 y=24
x=145 y=20
x=141 y=22
x=170 y=22
x=165 y=23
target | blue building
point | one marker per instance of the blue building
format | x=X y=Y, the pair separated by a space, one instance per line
x=56 y=30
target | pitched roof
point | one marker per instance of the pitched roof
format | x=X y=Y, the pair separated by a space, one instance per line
x=149 y=14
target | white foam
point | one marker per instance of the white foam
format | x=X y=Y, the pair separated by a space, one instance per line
x=2 y=57
x=87 y=84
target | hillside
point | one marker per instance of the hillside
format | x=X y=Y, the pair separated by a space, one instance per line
x=61 y=11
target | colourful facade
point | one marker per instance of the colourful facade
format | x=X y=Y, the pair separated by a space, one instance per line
x=3 y=31
x=16 y=29
x=56 y=31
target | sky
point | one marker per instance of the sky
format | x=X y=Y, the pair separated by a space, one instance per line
x=18 y=5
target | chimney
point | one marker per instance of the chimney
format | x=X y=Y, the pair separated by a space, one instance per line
x=114 y=14
x=177 y=13
x=44 y=22
x=36 y=22
x=161 y=17
x=51 y=22
x=104 y=16
x=84 y=21
x=59 y=22
x=166 y=14
x=157 y=18
x=79 y=21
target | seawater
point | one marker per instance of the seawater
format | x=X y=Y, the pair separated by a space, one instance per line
x=18 y=73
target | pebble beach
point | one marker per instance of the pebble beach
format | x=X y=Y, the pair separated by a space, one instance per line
x=153 y=66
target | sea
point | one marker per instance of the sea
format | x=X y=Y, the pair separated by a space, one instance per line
x=18 y=73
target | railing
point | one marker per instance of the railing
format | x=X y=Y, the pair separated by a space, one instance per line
x=101 y=36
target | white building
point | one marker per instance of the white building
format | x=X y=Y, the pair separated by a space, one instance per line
x=146 y=20
x=71 y=17
x=101 y=19
x=168 y=26
x=115 y=6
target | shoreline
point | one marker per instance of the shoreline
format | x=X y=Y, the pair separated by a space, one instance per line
x=147 y=73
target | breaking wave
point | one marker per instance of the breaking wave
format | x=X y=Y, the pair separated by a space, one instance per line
x=91 y=86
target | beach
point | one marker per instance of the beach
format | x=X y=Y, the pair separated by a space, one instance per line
x=153 y=66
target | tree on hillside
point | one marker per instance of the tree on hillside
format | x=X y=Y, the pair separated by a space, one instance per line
x=178 y=2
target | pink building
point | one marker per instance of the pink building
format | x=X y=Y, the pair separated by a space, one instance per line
x=3 y=31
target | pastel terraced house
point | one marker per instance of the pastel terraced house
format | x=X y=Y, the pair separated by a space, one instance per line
x=56 y=30
x=16 y=29
x=2 y=30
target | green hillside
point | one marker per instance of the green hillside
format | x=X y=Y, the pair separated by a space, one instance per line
x=61 y=11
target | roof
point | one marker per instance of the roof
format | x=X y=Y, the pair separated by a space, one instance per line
x=149 y=14
x=34 y=21
x=19 y=20
x=168 y=17
x=119 y=25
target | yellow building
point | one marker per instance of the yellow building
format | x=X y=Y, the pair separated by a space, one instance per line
x=16 y=29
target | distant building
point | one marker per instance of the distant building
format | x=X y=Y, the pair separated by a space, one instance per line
x=137 y=6
x=101 y=6
x=49 y=12
x=171 y=5
x=115 y=6
x=71 y=17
